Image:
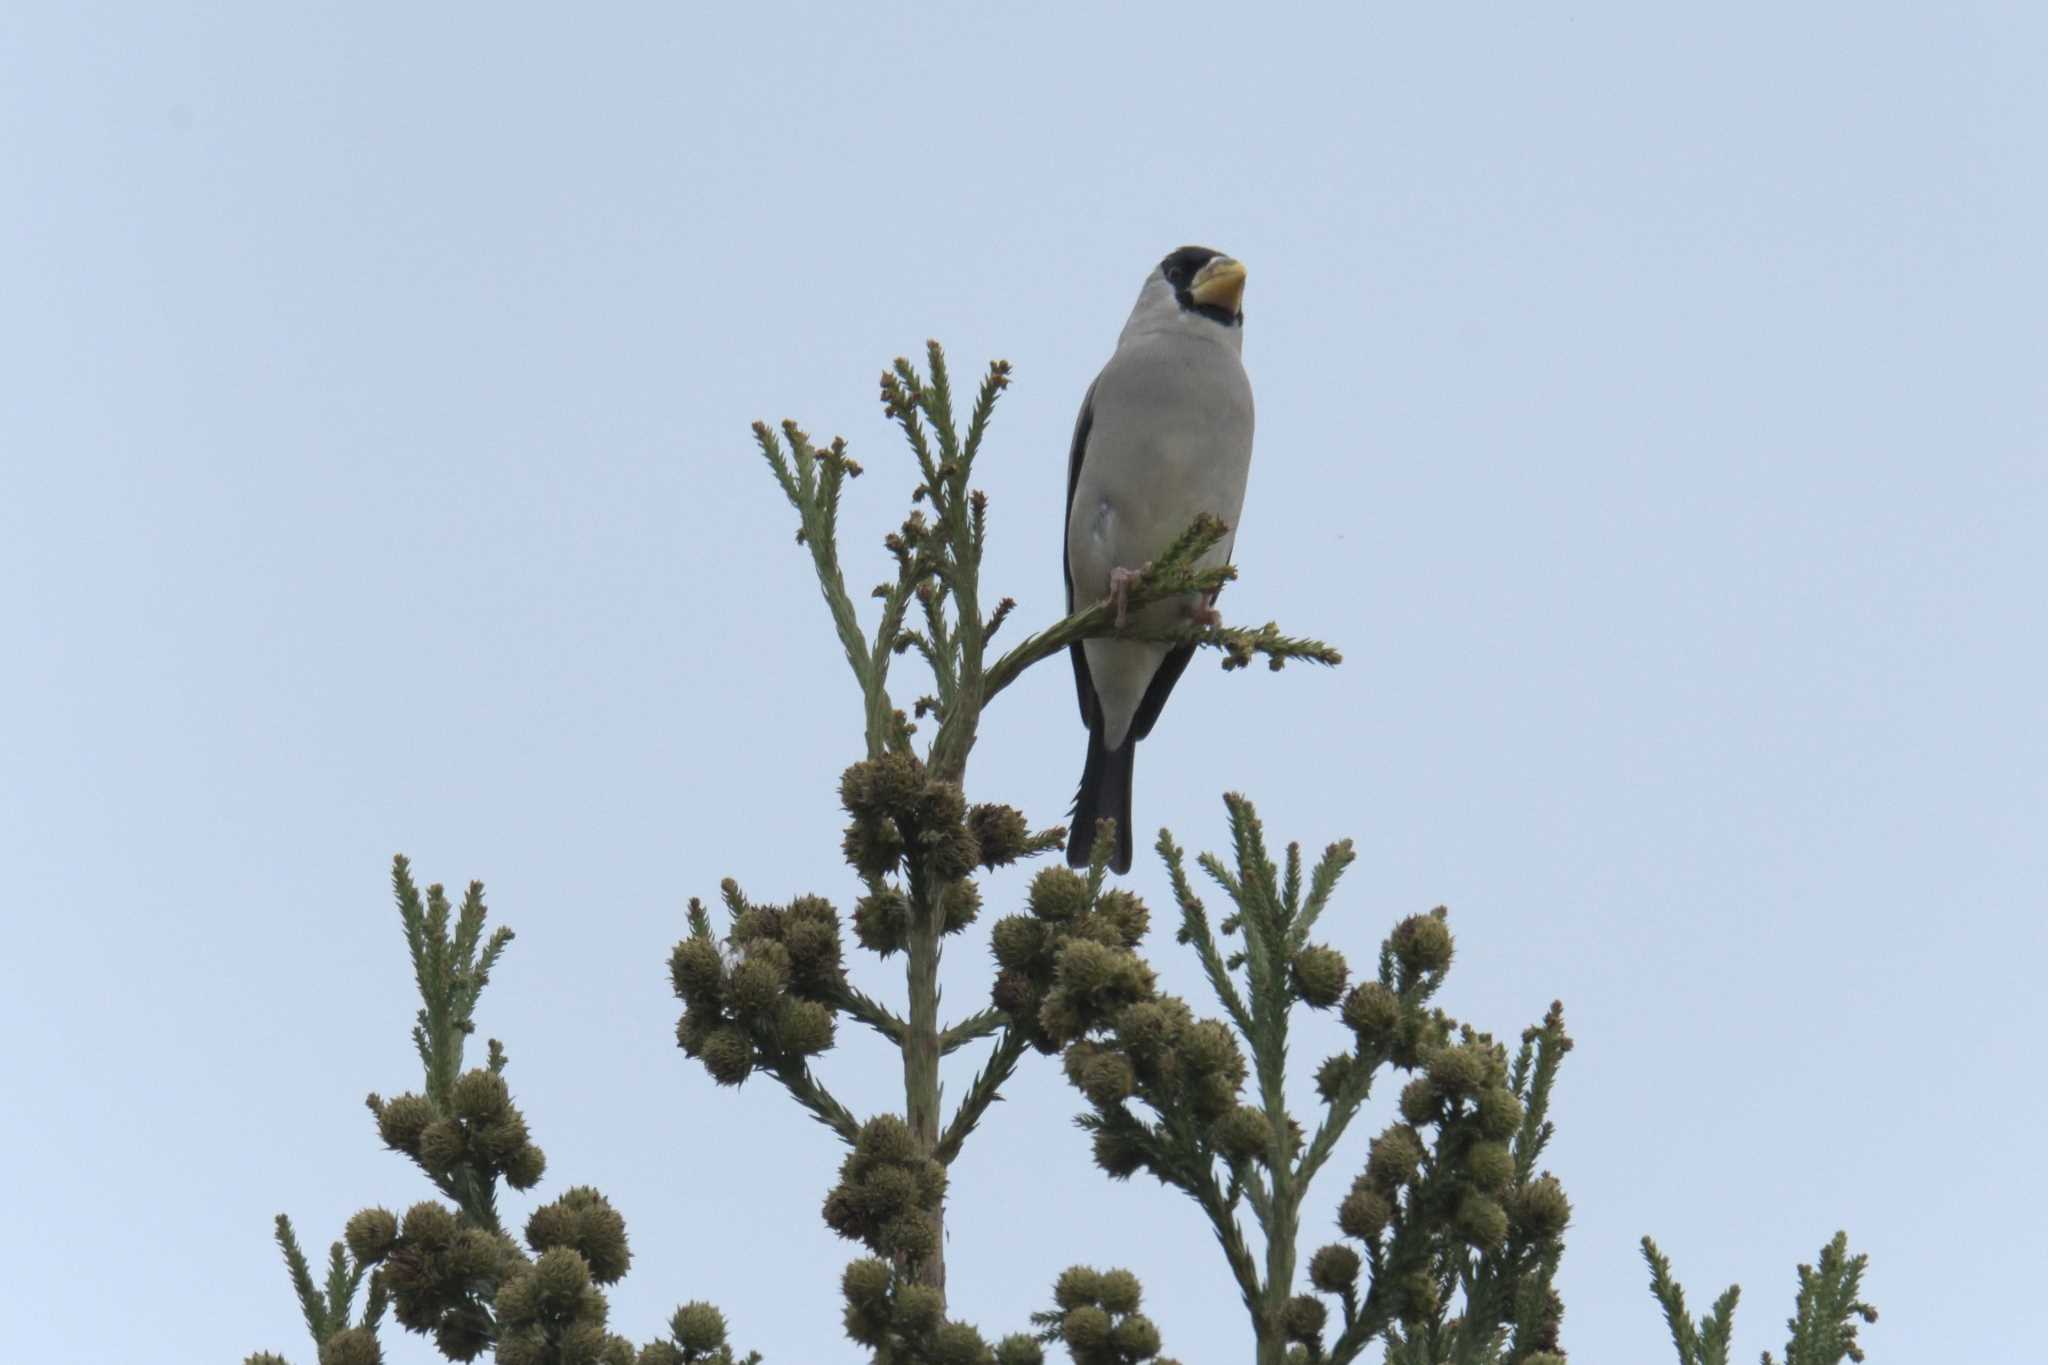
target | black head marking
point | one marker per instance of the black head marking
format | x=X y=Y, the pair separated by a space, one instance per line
x=1180 y=269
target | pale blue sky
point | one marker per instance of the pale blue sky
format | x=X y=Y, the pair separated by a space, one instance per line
x=1651 y=405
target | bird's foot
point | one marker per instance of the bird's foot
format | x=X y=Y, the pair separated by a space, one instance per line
x=1120 y=581
x=1204 y=613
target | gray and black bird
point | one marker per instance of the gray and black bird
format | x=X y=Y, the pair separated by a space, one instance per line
x=1165 y=434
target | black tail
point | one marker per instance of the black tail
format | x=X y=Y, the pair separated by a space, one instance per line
x=1105 y=791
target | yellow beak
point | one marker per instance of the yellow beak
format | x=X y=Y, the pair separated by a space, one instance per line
x=1219 y=284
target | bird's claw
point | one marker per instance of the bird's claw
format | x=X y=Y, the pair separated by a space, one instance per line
x=1204 y=613
x=1120 y=582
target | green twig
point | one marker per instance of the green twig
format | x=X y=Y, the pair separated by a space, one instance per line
x=311 y=1306
x=873 y=1013
x=974 y=1026
x=982 y=1093
x=805 y=1089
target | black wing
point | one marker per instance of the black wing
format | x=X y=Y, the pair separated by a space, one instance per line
x=1160 y=688
x=1084 y=686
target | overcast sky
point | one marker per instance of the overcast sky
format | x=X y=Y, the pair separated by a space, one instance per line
x=1651 y=407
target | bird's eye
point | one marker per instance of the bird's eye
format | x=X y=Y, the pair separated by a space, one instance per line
x=1180 y=268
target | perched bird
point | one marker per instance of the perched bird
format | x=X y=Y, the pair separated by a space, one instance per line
x=1165 y=433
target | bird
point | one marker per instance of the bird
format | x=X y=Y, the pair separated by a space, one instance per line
x=1164 y=435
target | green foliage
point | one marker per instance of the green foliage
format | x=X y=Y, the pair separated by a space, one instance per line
x=769 y=997
x=904 y=1322
x=887 y=1191
x=1095 y=1316
x=1070 y=954
x=450 y=971
x=327 y=1308
x=1449 y=1207
x=1823 y=1324
x=450 y=1271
